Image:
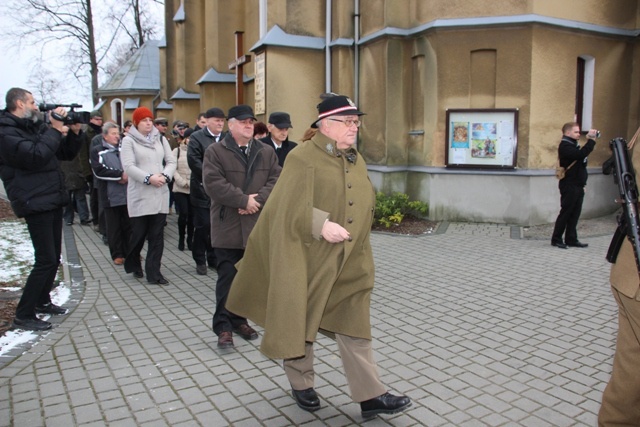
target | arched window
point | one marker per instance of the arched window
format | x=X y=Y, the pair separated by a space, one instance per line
x=117 y=111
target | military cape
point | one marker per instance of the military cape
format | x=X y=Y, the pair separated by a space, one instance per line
x=294 y=285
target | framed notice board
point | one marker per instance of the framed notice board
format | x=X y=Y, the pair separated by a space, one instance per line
x=482 y=138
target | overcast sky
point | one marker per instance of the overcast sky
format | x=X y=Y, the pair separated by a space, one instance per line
x=17 y=65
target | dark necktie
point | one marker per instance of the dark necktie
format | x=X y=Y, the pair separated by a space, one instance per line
x=244 y=150
x=278 y=150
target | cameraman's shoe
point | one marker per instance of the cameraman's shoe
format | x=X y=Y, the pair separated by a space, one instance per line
x=34 y=324
x=51 y=308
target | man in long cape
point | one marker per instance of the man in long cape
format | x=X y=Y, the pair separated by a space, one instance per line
x=308 y=265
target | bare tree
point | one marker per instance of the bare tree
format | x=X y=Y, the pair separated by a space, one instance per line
x=137 y=24
x=68 y=26
x=44 y=86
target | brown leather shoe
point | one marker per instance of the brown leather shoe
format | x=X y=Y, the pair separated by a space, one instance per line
x=225 y=340
x=246 y=332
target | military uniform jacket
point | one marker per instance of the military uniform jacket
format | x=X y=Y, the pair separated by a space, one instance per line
x=624 y=273
x=293 y=284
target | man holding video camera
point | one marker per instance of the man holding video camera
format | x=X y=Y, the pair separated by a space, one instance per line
x=573 y=158
x=29 y=167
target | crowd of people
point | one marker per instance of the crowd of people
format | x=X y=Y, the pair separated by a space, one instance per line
x=242 y=196
x=219 y=182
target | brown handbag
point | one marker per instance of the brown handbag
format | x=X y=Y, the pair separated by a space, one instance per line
x=561 y=172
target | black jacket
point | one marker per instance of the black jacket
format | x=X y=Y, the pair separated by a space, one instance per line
x=198 y=143
x=90 y=132
x=568 y=151
x=284 y=150
x=29 y=167
x=107 y=169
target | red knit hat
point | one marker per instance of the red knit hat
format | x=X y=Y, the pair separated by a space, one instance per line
x=141 y=113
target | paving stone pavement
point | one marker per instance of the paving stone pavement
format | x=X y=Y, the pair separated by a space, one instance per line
x=479 y=328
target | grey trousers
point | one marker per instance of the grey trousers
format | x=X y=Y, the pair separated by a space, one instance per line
x=359 y=367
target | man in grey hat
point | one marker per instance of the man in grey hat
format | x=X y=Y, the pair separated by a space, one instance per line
x=278 y=138
x=238 y=175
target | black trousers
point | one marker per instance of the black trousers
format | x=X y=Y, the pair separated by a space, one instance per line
x=201 y=250
x=93 y=202
x=185 y=215
x=78 y=204
x=97 y=211
x=571 y=198
x=118 y=230
x=45 y=230
x=148 y=227
x=224 y=320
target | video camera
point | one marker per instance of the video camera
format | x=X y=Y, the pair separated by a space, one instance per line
x=72 y=115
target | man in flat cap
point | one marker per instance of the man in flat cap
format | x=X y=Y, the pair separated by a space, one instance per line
x=238 y=175
x=319 y=215
x=278 y=138
x=201 y=249
x=162 y=124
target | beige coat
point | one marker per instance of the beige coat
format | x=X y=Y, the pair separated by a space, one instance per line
x=140 y=158
x=624 y=273
x=289 y=282
x=182 y=175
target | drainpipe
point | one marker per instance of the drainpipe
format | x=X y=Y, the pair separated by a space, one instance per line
x=356 y=56
x=263 y=18
x=153 y=103
x=327 y=49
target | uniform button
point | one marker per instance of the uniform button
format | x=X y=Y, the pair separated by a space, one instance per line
x=348 y=185
x=346 y=171
x=350 y=238
x=350 y=202
x=350 y=220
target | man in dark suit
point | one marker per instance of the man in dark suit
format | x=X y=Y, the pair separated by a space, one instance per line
x=278 y=138
x=202 y=251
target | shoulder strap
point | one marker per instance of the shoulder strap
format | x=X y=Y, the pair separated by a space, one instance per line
x=633 y=140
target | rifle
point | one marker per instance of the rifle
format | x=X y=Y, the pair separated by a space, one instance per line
x=628 y=222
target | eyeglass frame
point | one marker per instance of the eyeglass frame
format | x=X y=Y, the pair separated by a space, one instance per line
x=348 y=123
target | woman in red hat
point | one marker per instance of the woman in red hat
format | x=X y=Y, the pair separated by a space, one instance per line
x=147 y=159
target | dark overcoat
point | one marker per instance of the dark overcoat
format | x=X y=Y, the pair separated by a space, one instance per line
x=228 y=178
x=294 y=285
x=29 y=164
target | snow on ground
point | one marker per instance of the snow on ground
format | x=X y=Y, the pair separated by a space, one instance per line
x=16 y=259
x=16 y=251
